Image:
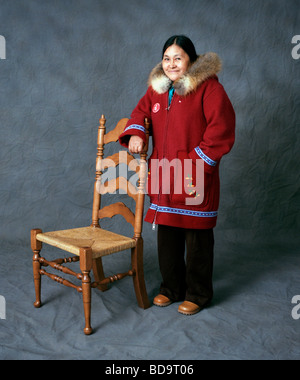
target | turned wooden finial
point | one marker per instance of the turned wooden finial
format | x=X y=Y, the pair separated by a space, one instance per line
x=102 y=120
x=101 y=133
x=99 y=158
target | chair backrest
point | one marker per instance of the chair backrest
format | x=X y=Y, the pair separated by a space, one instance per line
x=119 y=183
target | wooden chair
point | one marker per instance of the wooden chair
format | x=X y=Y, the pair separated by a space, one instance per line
x=90 y=244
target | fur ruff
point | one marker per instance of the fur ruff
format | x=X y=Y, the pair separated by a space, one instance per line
x=206 y=66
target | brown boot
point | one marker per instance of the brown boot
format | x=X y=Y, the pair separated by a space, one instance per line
x=188 y=308
x=162 y=301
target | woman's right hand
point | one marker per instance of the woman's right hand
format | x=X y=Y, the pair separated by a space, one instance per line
x=136 y=145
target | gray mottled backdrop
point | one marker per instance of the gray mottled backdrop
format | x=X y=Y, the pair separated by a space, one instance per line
x=67 y=62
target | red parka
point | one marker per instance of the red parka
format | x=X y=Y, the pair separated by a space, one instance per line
x=193 y=133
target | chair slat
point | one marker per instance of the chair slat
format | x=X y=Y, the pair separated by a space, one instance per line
x=116 y=159
x=115 y=209
x=119 y=183
x=113 y=135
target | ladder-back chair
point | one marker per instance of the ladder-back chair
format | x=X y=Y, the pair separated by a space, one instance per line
x=89 y=244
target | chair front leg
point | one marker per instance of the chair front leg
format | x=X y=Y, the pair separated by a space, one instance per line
x=36 y=247
x=86 y=262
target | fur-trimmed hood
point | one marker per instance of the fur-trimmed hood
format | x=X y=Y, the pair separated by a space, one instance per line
x=206 y=66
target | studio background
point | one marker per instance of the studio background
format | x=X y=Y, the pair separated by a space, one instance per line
x=67 y=62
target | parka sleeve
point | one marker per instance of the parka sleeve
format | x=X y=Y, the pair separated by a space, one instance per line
x=136 y=124
x=219 y=135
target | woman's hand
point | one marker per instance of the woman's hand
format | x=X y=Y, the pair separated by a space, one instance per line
x=136 y=144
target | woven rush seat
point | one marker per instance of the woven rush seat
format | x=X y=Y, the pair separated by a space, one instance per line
x=102 y=242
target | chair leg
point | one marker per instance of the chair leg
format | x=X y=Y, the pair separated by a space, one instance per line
x=36 y=247
x=99 y=273
x=138 y=278
x=86 y=263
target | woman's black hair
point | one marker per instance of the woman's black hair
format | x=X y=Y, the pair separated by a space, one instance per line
x=185 y=43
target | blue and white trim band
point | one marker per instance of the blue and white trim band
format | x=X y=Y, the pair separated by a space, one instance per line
x=181 y=211
x=204 y=157
x=135 y=126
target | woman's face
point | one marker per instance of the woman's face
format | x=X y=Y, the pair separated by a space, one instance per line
x=175 y=62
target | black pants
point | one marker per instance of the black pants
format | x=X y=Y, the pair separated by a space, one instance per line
x=187 y=279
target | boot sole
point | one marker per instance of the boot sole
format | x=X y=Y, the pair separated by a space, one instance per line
x=163 y=304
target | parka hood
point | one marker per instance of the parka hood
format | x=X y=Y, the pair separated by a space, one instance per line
x=206 y=66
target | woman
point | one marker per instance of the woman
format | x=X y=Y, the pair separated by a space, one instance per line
x=193 y=125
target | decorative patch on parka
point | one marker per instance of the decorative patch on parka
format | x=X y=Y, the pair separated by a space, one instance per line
x=156 y=108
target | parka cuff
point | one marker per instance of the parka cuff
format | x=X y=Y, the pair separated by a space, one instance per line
x=132 y=130
x=209 y=164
